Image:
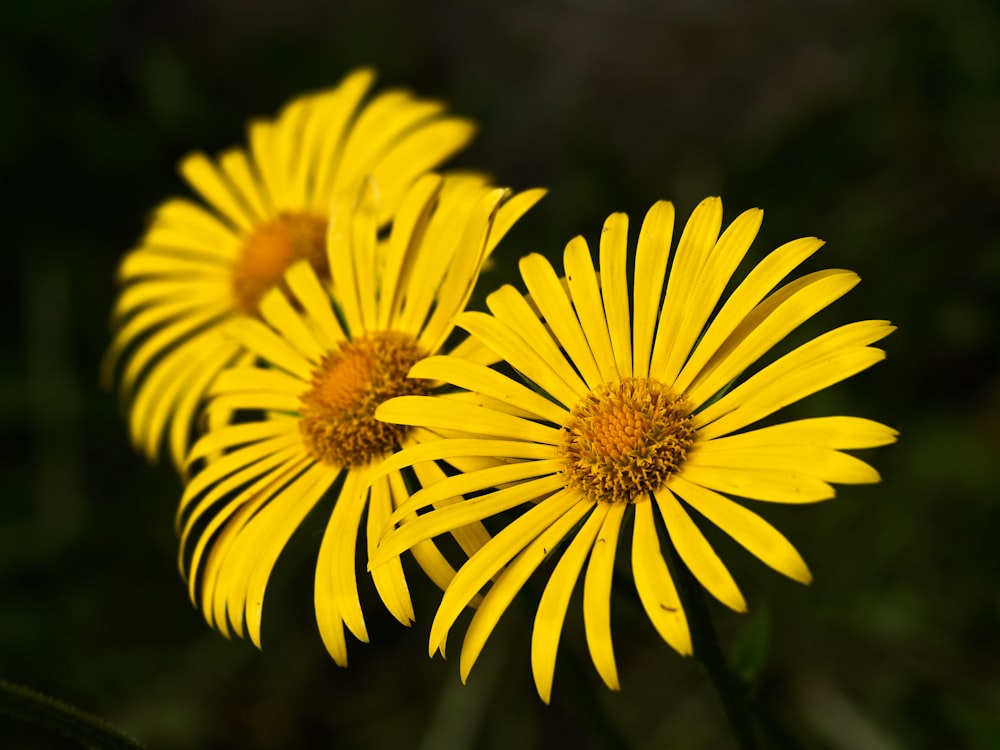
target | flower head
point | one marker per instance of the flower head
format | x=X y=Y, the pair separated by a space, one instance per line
x=630 y=409
x=326 y=357
x=203 y=266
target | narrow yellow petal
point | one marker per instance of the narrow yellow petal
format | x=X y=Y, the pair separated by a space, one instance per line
x=842 y=433
x=342 y=258
x=586 y=294
x=549 y=296
x=508 y=305
x=471 y=535
x=654 y=583
x=250 y=379
x=443 y=520
x=768 y=324
x=423 y=148
x=204 y=177
x=262 y=341
x=507 y=343
x=800 y=373
x=823 y=463
x=463 y=484
x=551 y=611
x=510 y=211
x=697 y=240
x=275 y=525
x=336 y=574
x=758 y=283
x=334 y=115
x=314 y=299
x=651 y=257
x=286 y=320
x=614 y=290
x=509 y=582
x=771 y=486
x=697 y=554
x=462 y=272
x=426 y=553
x=404 y=240
x=759 y=538
x=234 y=461
x=426 y=411
x=597 y=596
x=481 y=379
x=704 y=294
x=482 y=566
x=236 y=167
x=389 y=579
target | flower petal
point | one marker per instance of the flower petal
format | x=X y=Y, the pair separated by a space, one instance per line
x=597 y=596
x=654 y=583
x=551 y=611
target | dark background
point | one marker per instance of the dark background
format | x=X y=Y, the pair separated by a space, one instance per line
x=873 y=125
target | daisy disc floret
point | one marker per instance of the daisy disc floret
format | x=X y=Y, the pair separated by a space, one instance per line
x=204 y=266
x=302 y=414
x=632 y=400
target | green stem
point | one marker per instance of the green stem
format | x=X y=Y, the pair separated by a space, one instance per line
x=708 y=652
x=33 y=707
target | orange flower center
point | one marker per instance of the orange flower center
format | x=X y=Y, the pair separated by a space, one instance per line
x=626 y=439
x=338 y=421
x=271 y=248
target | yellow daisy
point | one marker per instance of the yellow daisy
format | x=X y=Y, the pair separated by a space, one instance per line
x=304 y=414
x=629 y=411
x=201 y=267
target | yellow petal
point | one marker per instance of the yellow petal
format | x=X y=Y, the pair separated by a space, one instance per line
x=829 y=432
x=482 y=566
x=443 y=520
x=426 y=411
x=508 y=305
x=463 y=484
x=761 y=280
x=482 y=379
x=586 y=294
x=823 y=463
x=597 y=596
x=614 y=290
x=704 y=295
x=548 y=294
x=654 y=583
x=773 y=486
x=651 y=256
x=697 y=554
x=759 y=538
x=286 y=320
x=336 y=576
x=205 y=178
x=507 y=343
x=551 y=611
x=510 y=581
x=404 y=240
x=389 y=579
x=697 y=240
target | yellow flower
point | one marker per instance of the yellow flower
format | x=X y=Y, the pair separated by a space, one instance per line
x=628 y=411
x=201 y=267
x=304 y=416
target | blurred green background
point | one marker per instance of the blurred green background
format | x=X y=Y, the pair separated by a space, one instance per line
x=873 y=125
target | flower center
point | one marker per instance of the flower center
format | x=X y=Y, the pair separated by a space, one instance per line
x=271 y=248
x=625 y=439
x=338 y=423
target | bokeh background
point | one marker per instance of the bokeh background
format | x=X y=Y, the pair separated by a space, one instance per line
x=871 y=124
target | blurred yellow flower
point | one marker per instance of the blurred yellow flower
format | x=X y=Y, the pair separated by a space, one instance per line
x=630 y=411
x=304 y=414
x=201 y=267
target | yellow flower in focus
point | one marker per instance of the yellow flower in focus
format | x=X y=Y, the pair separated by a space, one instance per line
x=304 y=414
x=200 y=267
x=630 y=411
